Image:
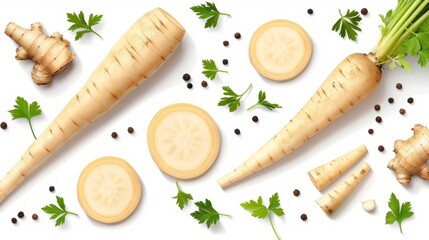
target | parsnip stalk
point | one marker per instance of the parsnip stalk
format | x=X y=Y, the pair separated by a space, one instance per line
x=134 y=58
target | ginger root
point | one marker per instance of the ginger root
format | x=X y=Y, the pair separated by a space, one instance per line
x=50 y=54
x=411 y=156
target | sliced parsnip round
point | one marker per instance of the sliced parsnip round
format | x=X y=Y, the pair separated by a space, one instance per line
x=109 y=189
x=183 y=140
x=280 y=50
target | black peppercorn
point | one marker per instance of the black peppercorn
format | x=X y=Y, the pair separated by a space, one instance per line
x=186 y=77
x=130 y=130
x=381 y=148
x=237 y=35
x=377 y=107
x=296 y=192
x=391 y=100
x=237 y=131
x=51 y=188
x=364 y=11
x=255 y=119
x=114 y=134
x=225 y=62
x=370 y=131
x=398 y=86
x=13 y=220
x=3 y=125
x=410 y=100
x=21 y=214
x=226 y=43
x=304 y=217
x=189 y=85
x=310 y=11
x=378 y=119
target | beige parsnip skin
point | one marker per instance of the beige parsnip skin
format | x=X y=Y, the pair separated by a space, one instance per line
x=51 y=55
x=331 y=200
x=350 y=82
x=134 y=58
x=412 y=156
x=325 y=174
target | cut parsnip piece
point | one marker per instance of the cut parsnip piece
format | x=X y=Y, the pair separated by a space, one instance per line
x=109 y=189
x=280 y=50
x=183 y=140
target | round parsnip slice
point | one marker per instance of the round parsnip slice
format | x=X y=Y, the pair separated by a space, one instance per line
x=280 y=50
x=109 y=189
x=183 y=140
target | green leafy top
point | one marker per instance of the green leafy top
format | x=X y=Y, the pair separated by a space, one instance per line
x=347 y=25
x=58 y=212
x=231 y=98
x=264 y=103
x=259 y=210
x=210 y=69
x=398 y=212
x=208 y=11
x=79 y=22
x=24 y=110
x=206 y=213
x=404 y=31
x=182 y=197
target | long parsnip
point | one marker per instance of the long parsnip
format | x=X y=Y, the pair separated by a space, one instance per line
x=350 y=82
x=134 y=58
x=353 y=79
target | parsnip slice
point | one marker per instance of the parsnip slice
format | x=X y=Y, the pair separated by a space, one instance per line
x=183 y=140
x=109 y=189
x=280 y=50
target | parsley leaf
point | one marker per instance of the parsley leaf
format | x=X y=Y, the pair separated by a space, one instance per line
x=259 y=210
x=208 y=11
x=182 y=197
x=23 y=110
x=231 y=98
x=398 y=212
x=206 y=213
x=210 y=69
x=79 y=22
x=262 y=102
x=347 y=25
x=58 y=212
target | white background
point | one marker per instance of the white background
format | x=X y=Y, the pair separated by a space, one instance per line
x=157 y=216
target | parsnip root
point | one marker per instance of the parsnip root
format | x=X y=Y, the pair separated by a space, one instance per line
x=50 y=54
x=324 y=175
x=353 y=79
x=134 y=58
x=411 y=156
x=330 y=201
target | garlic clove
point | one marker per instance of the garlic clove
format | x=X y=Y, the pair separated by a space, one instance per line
x=369 y=205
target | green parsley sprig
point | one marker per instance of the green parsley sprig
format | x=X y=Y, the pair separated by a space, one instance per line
x=210 y=69
x=259 y=210
x=231 y=98
x=208 y=11
x=347 y=25
x=182 y=197
x=24 y=110
x=398 y=212
x=80 y=23
x=206 y=213
x=264 y=103
x=58 y=212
